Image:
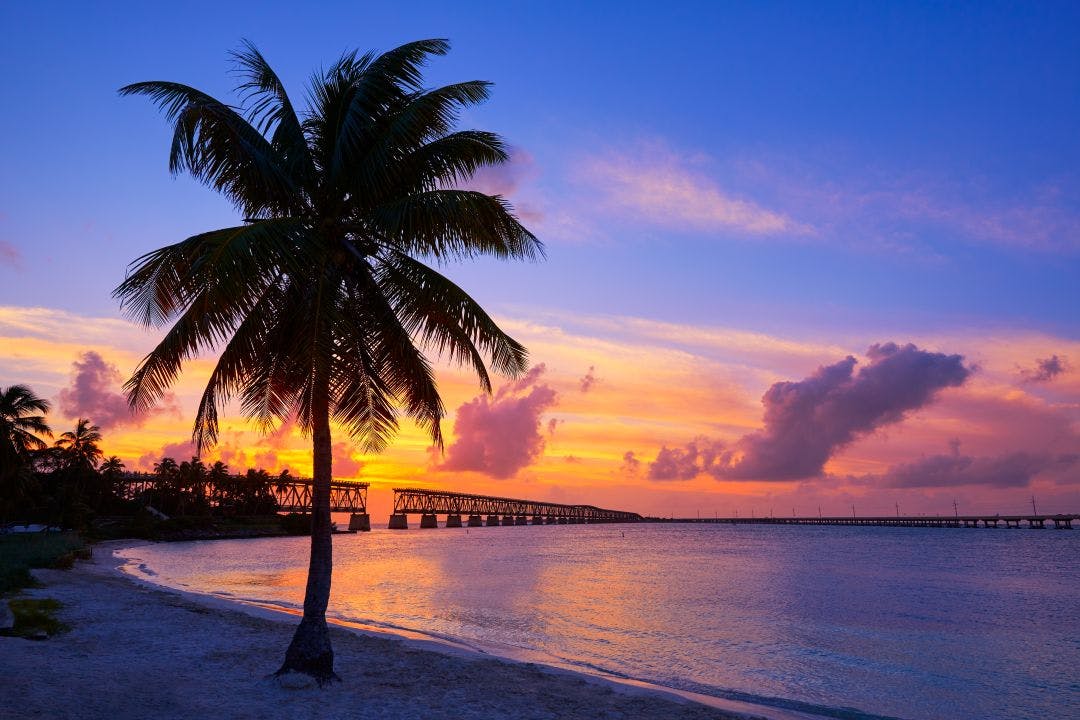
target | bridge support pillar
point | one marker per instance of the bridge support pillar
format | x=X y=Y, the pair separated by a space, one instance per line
x=537 y=520
x=508 y=520
x=492 y=520
x=476 y=521
x=399 y=522
x=563 y=521
x=453 y=521
x=360 y=522
x=521 y=520
x=428 y=521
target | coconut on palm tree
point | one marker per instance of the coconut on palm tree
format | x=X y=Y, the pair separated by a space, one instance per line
x=22 y=420
x=322 y=302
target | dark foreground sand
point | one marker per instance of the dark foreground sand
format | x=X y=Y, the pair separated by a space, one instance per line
x=136 y=651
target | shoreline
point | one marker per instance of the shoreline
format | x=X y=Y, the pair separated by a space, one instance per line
x=128 y=633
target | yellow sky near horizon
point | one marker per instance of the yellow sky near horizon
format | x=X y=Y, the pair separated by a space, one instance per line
x=621 y=385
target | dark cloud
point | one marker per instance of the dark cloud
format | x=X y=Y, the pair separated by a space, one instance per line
x=552 y=424
x=685 y=463
x=93 y=393
x=1046 y=369
x=807 y=421
x=589 y=380
x=1015 y=469
x=501 y=436
x=630 y=463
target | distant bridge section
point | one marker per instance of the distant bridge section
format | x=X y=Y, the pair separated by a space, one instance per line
x=1061 y=522
x=488 y=510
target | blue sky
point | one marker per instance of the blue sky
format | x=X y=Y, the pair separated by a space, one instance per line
x=930 y=149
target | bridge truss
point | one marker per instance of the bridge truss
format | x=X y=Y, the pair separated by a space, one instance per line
x=292 y=495
x=440 y=502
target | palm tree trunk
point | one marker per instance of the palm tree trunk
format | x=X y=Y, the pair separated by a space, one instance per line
x=310 y=652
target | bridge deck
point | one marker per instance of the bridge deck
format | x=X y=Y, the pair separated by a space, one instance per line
x=440 y=502
x=991 y=521
x=291 y=495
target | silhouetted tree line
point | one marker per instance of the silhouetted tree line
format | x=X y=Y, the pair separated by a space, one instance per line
x=70 y=481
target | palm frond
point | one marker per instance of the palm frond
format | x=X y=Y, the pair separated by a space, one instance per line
x=219 y=148
x=452 y=223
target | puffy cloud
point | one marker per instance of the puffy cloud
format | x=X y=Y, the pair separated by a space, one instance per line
x=630 y=463
x=345 y=465
x=586 y=383
x=1046 y=369
x=1014 y=469
x=807 y=421
x=501 y=436
x=93 y=394
x=699 y=455
x=10 y=255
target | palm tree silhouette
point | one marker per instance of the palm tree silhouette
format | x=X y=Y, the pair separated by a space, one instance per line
x=79 y=447
x=321 y=303
x=22 y=419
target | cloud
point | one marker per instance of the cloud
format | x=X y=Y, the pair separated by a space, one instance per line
x=501 y=436
x=630 y=464
x=507 y=179
x=660 y=187
x=345 y=465
x=10 y=255
x=92 y=394
x=1046 y=369
x=699 y=455
x=1014 y=469
x=807 y=421
x=586 y=383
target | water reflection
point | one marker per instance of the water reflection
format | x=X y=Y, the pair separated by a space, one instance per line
x=906 y=622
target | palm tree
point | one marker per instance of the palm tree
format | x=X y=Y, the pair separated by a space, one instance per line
x=22 y=419
x=79 y=447
x=112 y=469
x=22 y=414
x=321 y=302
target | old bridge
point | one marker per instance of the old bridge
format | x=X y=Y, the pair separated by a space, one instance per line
x=1062 y=522
x=487 y=510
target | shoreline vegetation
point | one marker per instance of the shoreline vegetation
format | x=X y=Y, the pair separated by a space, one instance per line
x=123 y=637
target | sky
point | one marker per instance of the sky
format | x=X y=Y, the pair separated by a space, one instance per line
x=801 y=257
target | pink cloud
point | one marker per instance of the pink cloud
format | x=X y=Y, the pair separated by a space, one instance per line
x=345 y=465
x=501 y=436
x=586 y=383
x=507 y=179
x=10 y=255
x=93 y=393
x=660 y=187
x=1012 y=469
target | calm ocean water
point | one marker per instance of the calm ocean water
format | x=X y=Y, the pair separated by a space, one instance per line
x=844 y=622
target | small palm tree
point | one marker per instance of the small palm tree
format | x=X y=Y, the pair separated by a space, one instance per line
x=22 y=420
x=321 y=302
x=112 y=469
x=79 y=447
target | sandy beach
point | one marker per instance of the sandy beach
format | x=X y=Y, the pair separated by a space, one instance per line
x=136 y=650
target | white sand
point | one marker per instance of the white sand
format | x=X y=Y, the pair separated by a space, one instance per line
x=138 y=651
